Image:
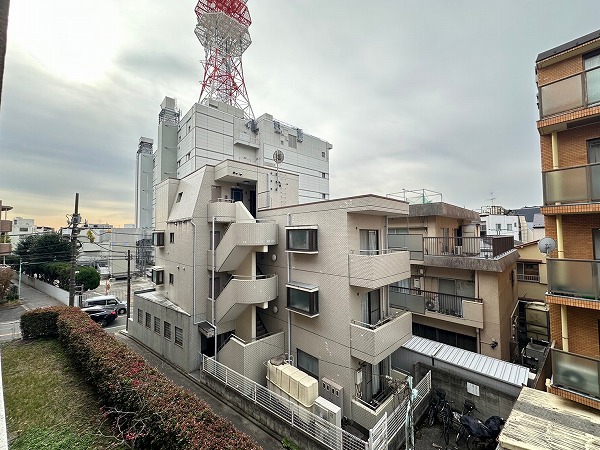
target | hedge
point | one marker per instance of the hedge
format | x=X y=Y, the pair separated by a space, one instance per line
x=146 y=409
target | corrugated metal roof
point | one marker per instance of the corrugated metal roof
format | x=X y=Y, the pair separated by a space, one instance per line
x=485 y=365
x=155 y=297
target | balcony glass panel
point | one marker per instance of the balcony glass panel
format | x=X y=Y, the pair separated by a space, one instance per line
x=410 y=242
x=562 y=96
x=575 y=184
x=577 y=278
x=592 y=79
x=576 y=372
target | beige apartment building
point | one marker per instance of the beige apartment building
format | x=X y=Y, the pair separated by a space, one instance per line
x=462 y=289
x=568 y=80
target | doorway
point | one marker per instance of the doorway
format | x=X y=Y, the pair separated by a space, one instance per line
x=237 y=195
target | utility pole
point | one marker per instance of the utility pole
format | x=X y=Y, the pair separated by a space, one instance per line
x=128 y=289
x=75 y=220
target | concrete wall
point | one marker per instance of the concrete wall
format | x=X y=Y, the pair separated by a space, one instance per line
x=490 y=402
x=49 y=289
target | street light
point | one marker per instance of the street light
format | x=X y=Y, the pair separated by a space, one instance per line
x=20 y=264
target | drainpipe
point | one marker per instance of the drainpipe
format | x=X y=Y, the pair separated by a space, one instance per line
x=554 y=150
x=212 y=282
x=289 y=313
x=478 y=340
x=194 y=320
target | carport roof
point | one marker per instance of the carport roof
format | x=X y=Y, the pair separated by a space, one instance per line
x=475 y=362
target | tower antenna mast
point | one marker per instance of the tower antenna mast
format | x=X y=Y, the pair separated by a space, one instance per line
x=222 y=30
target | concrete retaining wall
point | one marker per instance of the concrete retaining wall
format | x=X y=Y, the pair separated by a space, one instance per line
x=49 y=289
x=490 y=402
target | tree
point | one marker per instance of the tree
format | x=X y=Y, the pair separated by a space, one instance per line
x=38 y=249
x=89 y=277
x=6 y=274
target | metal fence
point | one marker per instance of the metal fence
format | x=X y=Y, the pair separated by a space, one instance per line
x=311 y=424
x=10 y=331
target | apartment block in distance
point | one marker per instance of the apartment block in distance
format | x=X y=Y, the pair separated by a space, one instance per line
x=5 y=229
x=568 y=81
x=462 y=287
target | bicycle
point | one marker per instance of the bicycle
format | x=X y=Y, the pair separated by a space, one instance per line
x=436 y=405
x=469 y=408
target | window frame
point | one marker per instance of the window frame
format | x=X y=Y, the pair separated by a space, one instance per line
x=312 y=239
x=158 y=276
x=158 y=238
x=302 y=355
x=167 y=330
x=171 y=279
x=148 y=323
x=179 y=336
x=312 y=299
x=156 y=325
x=171 y=238
x=140 y=316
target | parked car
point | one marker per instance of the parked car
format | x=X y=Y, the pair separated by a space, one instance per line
x=100 y=315
x=107 y=302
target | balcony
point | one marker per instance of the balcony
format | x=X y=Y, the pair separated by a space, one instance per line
x=222 y=210
x=411 y=242
x=5 y=248
x=453 y=308
x=242 y=291
x=576 y=373
x=478 y=247
x=575 y=92
x=368 y=414
x=235 y=171
x=573 y=185
x=372 y=343
x=373 y=269
x=5 y=226
x=574 y=278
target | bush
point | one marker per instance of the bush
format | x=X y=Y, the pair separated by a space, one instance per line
x=41 y=322
x=147 y=409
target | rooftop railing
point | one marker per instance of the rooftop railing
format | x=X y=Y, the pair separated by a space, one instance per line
x=480 y=247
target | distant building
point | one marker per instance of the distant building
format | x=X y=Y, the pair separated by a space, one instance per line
x=5 y=230
x=568 y=81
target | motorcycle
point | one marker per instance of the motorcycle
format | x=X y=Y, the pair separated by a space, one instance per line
x=480 y=435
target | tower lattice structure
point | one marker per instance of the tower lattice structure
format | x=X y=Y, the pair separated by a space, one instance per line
x=222 y=30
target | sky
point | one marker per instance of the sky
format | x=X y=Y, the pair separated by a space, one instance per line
x=428 y=94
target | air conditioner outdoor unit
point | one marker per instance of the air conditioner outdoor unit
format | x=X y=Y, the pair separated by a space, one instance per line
x=458 y=249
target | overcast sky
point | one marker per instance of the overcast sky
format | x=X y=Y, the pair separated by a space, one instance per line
x=426 y=94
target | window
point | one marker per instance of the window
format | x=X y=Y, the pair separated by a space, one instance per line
x=24 y=229
x=179 y=197
x=323 y=175
x=171 y=278
x=301 y=239
x=323 y=196
x=178 y=336
x=498 y=227
x=593 y=148
x=158 y=276
x=158 y=238
x=592 y=77
x=171 y=238
x=167 y=330
x=308 y=364
x=156 y=325
x=509 y=227
x=303 y=299
x=148 y=319
x=369 y=242
x=140 y=316
x=292 y=141
x=528 y=271
x=322 y=154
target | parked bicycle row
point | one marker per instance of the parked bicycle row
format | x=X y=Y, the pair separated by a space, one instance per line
x=462 y=424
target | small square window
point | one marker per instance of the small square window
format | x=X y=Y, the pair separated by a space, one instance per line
x=148 y=319
x=167 y=330
x=323 y=196
x=179 y=197
x=323 y=175
x=509 y=227
x=305 y=302
x=156 y=325
x=171 y=278
x=178 y=336
x=301 y=240
x=140 y=316
x=158 y=276
x=292 y=141
x=323 y=154
x=158 y=238
x=171 y=238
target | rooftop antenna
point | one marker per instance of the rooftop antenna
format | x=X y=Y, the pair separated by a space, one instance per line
x=222 y=30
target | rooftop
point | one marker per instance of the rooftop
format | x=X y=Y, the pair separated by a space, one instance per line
x=568 y=46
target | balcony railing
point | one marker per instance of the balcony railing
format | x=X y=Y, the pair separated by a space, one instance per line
x=411 y=242
x=572 y=185
x=482 y=247
x=528 y=278
x=372 y=343
x=574 y=278
x=450 y=305
x=577 y=91
x=373 y=269
x=576 y=373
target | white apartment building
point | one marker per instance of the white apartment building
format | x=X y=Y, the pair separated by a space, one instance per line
x=496 y=221
x=24 y=227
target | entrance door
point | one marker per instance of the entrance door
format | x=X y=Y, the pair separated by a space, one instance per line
x=237 y=195
x=253 y=203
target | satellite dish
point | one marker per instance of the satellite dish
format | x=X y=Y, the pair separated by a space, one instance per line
x=278 y=156
x=547 y=245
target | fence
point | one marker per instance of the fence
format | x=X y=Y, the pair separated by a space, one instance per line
x=10 y=331
x=311 y=424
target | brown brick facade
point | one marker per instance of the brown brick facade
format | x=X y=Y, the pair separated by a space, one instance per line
x=560 y=70
x=584 y=337
x=572 y=146
x=577 y=234
x=588 y=401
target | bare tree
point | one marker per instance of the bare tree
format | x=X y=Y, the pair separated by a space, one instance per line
x=6 y=274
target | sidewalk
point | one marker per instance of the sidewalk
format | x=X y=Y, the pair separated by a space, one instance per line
x=32 y=298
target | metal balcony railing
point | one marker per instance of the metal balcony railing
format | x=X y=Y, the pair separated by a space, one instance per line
x=574 y=278
x=574 y=92
x=450 y=305
x=572 y=185
x=529 y=278
x=481 y=247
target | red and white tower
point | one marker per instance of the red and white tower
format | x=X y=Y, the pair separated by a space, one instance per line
x=222 y=30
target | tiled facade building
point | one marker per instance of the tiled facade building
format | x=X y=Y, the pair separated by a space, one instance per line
x=568 y=79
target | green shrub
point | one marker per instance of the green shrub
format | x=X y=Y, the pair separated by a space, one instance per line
x=147 y=409
x=41 y=322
